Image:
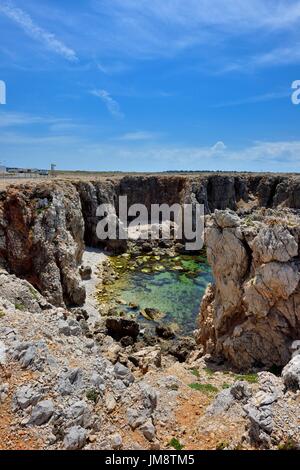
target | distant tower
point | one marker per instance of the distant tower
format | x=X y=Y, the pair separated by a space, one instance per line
x=53 y=167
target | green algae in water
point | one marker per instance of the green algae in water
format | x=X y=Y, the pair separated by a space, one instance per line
x=172 y=285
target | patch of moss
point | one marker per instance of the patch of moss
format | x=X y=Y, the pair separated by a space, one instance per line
x=250 y=378
x=41 y=210
x=205 y=388
x=174 y=387
x=175 y=443
x=222 y=446
x=225 y=385
x=92 y=395
x=2 y=314
x=33 y=293
x=195 y=372
x=19 y=306
x=209 y=371
x=289 y=444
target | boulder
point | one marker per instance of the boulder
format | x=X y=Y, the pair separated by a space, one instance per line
x=25 y=396
x=75 y=438
x=123 y=373
x=119 y=328
x=291 y=374
x=165 y=331
x=85 y=272
x=41 y=413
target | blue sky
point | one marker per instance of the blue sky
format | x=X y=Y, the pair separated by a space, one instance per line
x=150 y=85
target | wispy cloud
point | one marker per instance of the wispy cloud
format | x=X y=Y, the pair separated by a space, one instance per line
x=111 y=104
x=24 y=21
x=255 y=99
x=15 y=119
x=139 y=136
x=10 y=119
x=156 y=28
x=113 y=68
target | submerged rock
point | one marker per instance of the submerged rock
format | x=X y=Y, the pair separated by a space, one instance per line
x=119 y=328
x=165 y=331
x=152 y=314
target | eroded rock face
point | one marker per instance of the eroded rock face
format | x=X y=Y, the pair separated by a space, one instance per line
x=44 y=226
x=252 y=313
x=43 y=238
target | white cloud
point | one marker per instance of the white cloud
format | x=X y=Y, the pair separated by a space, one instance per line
x=12 y=119
x=219 y=146
x=139 y=136
x=255 y=99
x=274 y=156
x=22 y=19
x=111 y=104
x=164 y=28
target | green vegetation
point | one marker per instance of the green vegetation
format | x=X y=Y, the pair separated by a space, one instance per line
x=249 y=221
x=222 y=445
x=209 y=371
x=19 y=306
x=225 y=385
x=92 y=395
x=33 y=293
x=2 y=314
x=289 y=444
x=174 y=387
x=195 y=372
x=205 y=388
x=176 y=444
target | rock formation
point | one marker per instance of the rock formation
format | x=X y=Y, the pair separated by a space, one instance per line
x=41 y=239
x=44 y=227
x=251 y=314
x=67 y=382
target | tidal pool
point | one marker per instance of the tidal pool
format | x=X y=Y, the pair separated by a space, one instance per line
x=172 y=285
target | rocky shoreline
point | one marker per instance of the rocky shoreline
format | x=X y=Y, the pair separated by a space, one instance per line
x=71 y=380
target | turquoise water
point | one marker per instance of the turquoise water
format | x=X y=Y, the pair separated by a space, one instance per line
x=173 y=286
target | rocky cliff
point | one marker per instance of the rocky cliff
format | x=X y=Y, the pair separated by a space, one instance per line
x=251 y=315
x=41 y=239
x=44 y=227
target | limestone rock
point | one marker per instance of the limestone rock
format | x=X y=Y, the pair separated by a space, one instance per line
x=251 y=314
x=291 y=373
x=25 y=396
x=75 y=438
x=41 y=413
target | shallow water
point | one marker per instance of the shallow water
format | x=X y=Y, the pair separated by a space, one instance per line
x=172 y=285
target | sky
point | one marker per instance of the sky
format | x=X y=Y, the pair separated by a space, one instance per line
x=150 y=85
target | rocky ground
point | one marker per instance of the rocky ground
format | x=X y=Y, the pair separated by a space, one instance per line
x=65 y=383
x=69 y=380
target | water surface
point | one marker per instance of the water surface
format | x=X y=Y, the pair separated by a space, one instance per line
x=172 y=285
